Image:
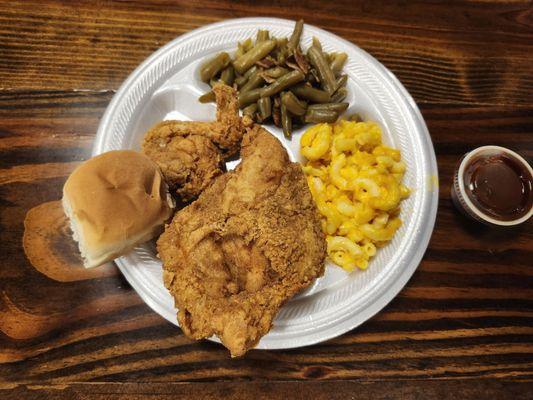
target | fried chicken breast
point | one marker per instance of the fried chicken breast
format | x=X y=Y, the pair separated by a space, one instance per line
x=249 y=243
x=191 y=154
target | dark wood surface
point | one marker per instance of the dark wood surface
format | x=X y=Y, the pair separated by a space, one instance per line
x=461 y=328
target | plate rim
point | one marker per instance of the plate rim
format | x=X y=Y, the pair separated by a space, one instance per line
x=347 y=321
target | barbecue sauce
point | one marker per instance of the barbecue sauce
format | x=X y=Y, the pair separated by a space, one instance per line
x=499 y=186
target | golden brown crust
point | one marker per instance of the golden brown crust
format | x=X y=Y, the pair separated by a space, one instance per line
x=249 y=243
x=191 y=154
x=189 y=163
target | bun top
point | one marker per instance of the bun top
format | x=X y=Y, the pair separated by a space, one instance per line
x=116 y=197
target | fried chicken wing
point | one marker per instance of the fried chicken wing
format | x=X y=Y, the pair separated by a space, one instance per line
x=191 y=154
x=250 y=242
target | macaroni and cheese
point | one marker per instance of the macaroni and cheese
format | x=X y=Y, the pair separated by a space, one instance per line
x=356 y=183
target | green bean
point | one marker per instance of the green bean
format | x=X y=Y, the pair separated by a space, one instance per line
x=262 y=35
x=249 y=97
x=213 y=66
x=259 y=51
x=319 y=116
x=248 y=44
x=339 y=95
x=250 y=110
x=292 y=103
x=250 y=72
x=254 y=82
x=243 y=47
x=338 y=62
x=275 y=72
x=282 y=55
x=311 y=94
x=241 y=81
x=286 y=122
x=282 y=83
x=264 y=104
x=326 y=76
x=281 y=42
x=341 y=81
x=208 y=97
x=228 y=75
x=294 y=41
x=337 y=107
x=354 y=117
x=316 y=43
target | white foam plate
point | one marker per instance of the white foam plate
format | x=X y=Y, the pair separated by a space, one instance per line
x=167 y=86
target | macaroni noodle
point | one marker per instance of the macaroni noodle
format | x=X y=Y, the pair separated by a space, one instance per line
x=356 y=183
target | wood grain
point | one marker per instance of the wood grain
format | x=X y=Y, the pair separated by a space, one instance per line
x=323 y=390
x=474 y=53
x=463 y=326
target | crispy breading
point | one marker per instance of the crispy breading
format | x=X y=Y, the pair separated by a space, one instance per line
x=249 y=243
x=191 y=154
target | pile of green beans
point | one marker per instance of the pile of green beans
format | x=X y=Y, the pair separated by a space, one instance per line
x=277 y=81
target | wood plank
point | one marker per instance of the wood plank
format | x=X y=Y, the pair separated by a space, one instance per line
x=440 y=54
x=442 y=390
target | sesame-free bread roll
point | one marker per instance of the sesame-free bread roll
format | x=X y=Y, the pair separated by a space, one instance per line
x=115 y=201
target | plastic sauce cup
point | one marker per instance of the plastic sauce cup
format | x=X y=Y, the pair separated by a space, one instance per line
x=487 y=180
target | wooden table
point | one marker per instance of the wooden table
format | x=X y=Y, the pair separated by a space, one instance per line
x=461 y=328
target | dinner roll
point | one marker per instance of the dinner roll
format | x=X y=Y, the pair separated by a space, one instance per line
x=115 y=201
